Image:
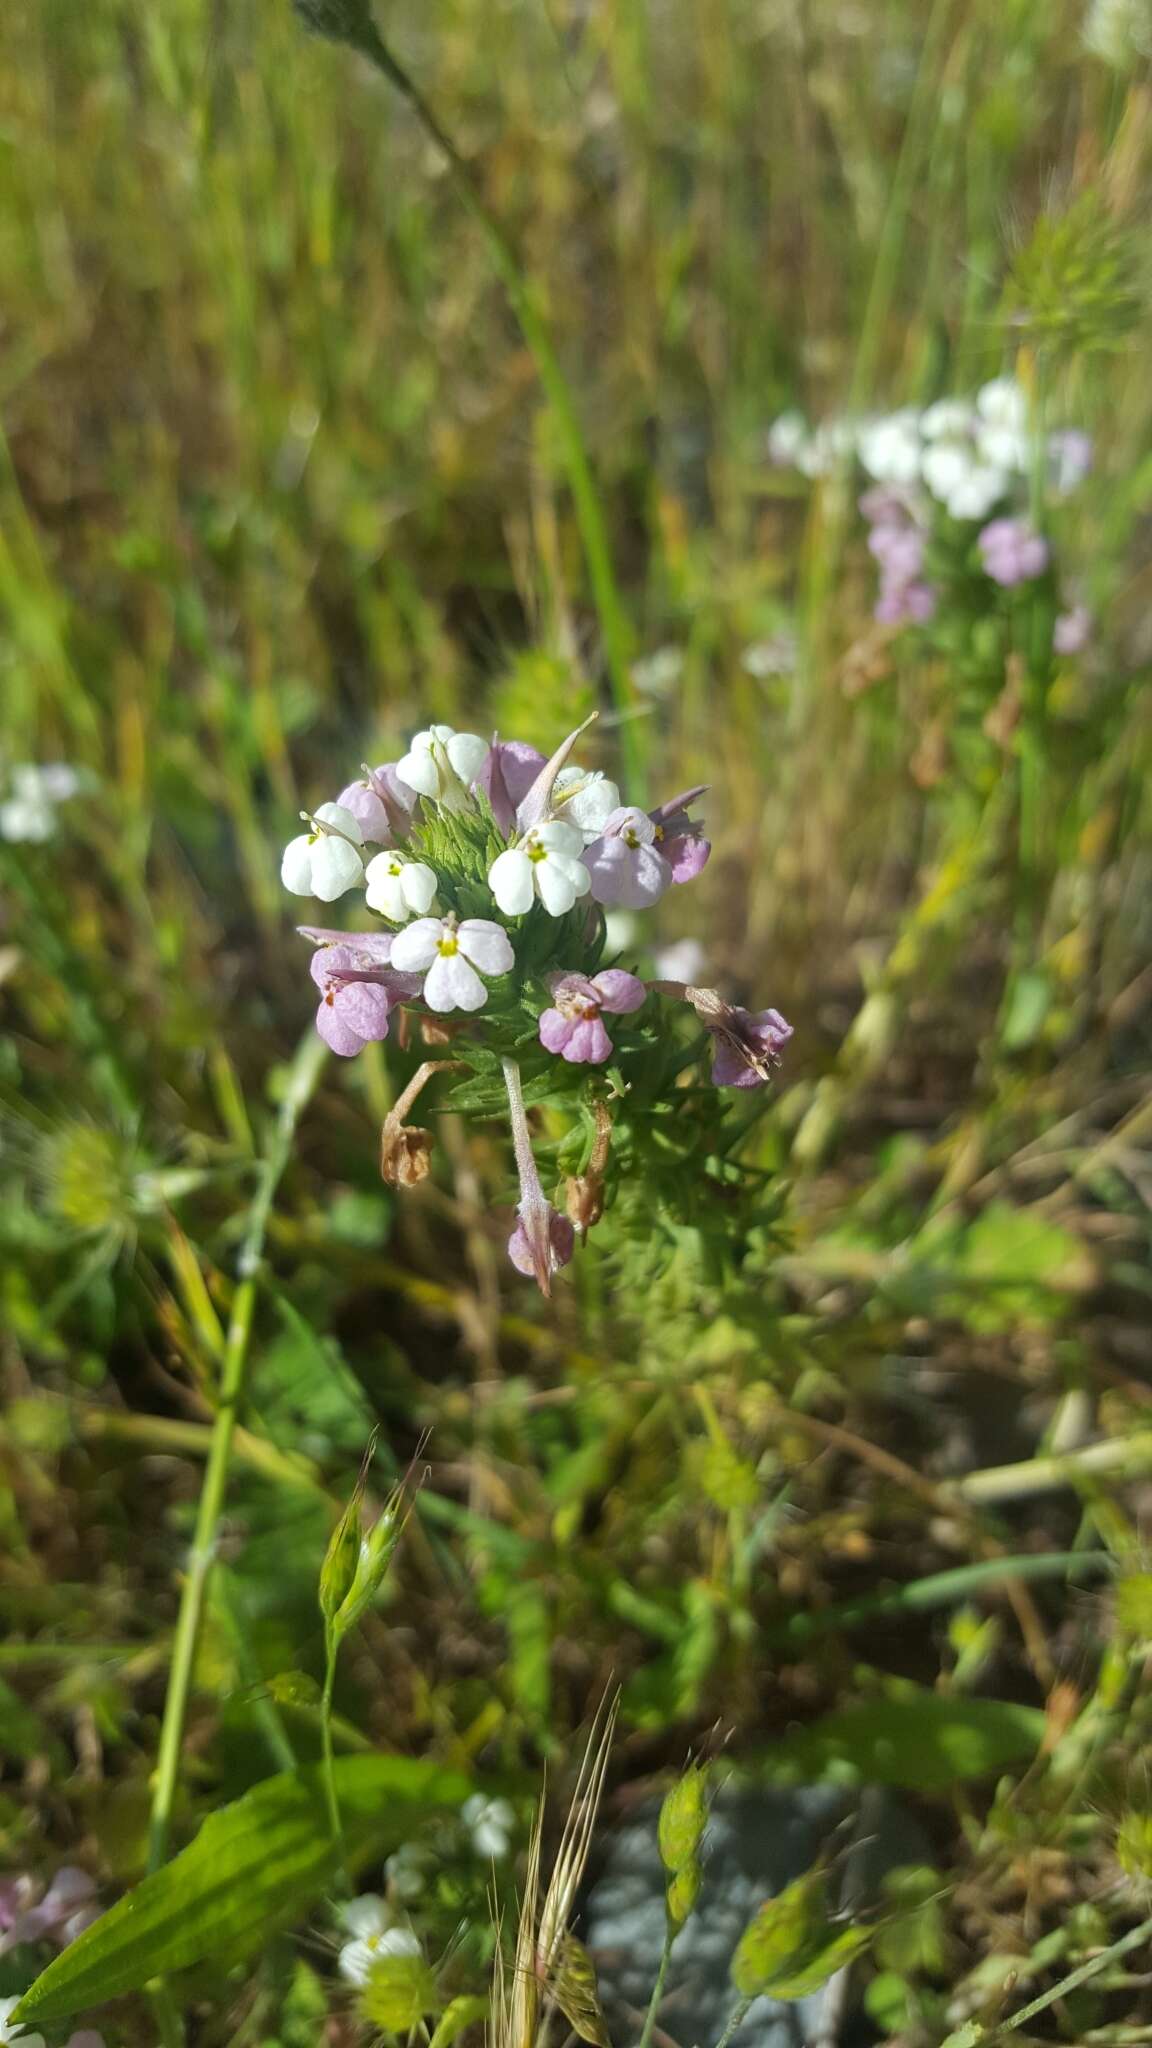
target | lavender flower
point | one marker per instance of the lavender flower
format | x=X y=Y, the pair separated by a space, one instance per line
x=573 y=1028
x=451 y=953
x=1012 y=551
x=541 y=1244
x=64 y=1911
x=382 y=805
x=506 y=777
x=679 y=837
x=1073 y=630
x=357 y=993
x=748 y=1043
x=1070 y=453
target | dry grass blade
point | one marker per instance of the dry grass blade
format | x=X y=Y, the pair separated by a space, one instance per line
x=541 y=1934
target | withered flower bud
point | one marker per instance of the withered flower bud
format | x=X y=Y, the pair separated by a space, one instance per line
x=405 y=1154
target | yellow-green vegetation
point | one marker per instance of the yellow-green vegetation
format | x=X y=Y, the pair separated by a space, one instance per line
x=422 y=369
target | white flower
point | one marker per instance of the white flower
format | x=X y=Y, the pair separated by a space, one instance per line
x=452 y=953
x=788 y=439
x=17 y=2034
x=827 y=447
x=586 y=797
x=1118 y=31
x=947 y=419
x=489 y=1822
x=968 y=487
x=1004 y=446
x=889 y=448
x=325 y=862
x=356 y=1958
x=547 y=864
x=1003 y=403
x=443 y=764
x=400 y=888
x=409 y=1870
x=366 y=1914
x=658 y=673
x=683 y=960
x=27 y=821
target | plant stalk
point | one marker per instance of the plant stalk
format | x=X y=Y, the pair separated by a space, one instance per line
x=670 y=1934
x=302 y=1079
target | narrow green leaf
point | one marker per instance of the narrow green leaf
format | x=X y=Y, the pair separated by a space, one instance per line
x=463 y=2012
x=787 y=1933
x=253 y=1867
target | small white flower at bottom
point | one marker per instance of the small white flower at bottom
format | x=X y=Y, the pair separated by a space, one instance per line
x=452 y=953
x=356 y=1958
x=399 y=888
x=16 y=2034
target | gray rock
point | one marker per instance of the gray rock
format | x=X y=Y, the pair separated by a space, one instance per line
x=758 y=1839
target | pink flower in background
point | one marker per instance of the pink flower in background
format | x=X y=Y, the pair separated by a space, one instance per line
x=1012 y=552
x=64 y=1910
x=1073 y=630
x=574 y=1027
x=358 y=988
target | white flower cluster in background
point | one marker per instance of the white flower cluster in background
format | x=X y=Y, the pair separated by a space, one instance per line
x=32 y=797
x=968 y=454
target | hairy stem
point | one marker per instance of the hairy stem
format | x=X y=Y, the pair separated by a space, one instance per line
x=302 y=1079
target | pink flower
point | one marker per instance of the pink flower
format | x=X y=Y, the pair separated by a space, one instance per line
x=748 y=1045
x=382 y=805
x=541 y=1243
x=573 y=1028
x=680 y=838
x=1073 y=630
x=66 y=1909
x=357 y=990
x=641 y=853
x=1012 y=551
x=507 y=776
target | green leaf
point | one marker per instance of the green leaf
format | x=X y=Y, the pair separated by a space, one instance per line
x=837 y=1950
x=253 y=1867
x=923 y=1741
x=463 y=2012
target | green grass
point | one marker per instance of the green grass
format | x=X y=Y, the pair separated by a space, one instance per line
x=280 y=483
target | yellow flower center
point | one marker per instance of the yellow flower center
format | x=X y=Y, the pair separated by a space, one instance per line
x=630 y=838
x=448 y=945
x=537 y=853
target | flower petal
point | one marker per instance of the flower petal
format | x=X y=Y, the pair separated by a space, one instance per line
x=619 y=992
x=555 y=1030
x=467 y=753
x=336 y=866
x=452 y=984
x=589 y=1042
x=558 y=837
x=338 y=1035
x=559 y=881
x=341 y=820
x=296 y=866
x=486 y=945
x=418 y=883
x=364 y=1006
x=415 y=947
x=418 y=769
x=510 y=880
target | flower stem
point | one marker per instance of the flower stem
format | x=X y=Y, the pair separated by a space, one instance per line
x=586 y=504
x=331 y=1652
x=736 y=2019
x=302 y=1078
x=670 y=1934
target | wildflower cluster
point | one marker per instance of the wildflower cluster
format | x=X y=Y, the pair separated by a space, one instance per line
x=489 y=870
x=39 y=1919
x=948 y=498
x=31 y=799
